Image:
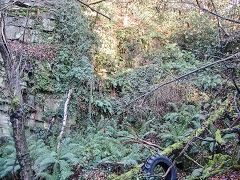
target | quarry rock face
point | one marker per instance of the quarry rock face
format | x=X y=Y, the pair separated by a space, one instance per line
x=33 y=20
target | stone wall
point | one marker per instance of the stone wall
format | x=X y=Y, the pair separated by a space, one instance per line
x=41 y=21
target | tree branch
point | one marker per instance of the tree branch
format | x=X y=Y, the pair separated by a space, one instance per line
x=87 y=5
x=215 y=14
x=185 y=149
x=237 y=55
x=219 y=24
x=96 y=2
x=206 y=10
x=142 y=141
x=110 y=162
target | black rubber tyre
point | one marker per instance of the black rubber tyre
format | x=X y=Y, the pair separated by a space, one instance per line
x=162 y=161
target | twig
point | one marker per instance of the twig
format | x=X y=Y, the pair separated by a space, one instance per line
x=137 y=142
x=30 y=106
x=64 y=117
x=185 y=154
x=50 y=127
x=24 y=32
x=110 y=162
x=7 y=6
x=183 y=151
x=215 y=14
x=208 y=140
x=205 y=10
x=143 y=141
x=233 y=130
x=236 y=104
x=235 y=122
x=219 y=24
x=85 y=4
x=237 y=55
x=96 y=2
x=13 y=171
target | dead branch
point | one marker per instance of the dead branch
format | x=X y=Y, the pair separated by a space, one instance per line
x=185 y=154
x=137 y=142
x=143 y=141
x=215 y=14
x=97 y=2
x=64 y=118
x=237 y=55
x=5 y=7
x=219 y=23
x=110 y=162
x=235 y=122
x=30 y=107
x=205 y=10
x=184 y=150
x=87 y=5
x=50 y=127
x=231 y=130
x=24 y=32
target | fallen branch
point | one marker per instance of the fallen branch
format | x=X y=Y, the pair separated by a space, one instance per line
x=64 y=118
x=180 y=145
x=237 y=55
x=96 y=2
x=110 y=162
x=142 y=141
x=191 y=159
x=137 y=142
x=87 y=5
x=184 y=150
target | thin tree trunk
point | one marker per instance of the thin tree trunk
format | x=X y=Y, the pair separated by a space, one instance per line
x=23 y=155
x=16 y=115
x=64 y=118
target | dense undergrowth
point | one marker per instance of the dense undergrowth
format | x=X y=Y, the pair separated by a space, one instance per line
x=144 y=57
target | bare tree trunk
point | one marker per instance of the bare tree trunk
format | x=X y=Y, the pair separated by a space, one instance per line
x=21 y=146
x=16 y=115
x=64 y=118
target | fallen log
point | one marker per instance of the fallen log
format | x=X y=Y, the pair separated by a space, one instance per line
x=218 y=113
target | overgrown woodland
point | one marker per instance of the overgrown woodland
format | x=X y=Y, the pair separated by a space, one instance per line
x=133 y=79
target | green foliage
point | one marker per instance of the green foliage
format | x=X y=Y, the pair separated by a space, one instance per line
x=104 y=105
x=8 y=161
x=72 y=66
x=43 y=78
x=15 y=102
x=179 y=125
x=146 y=55
x=53 y=165
x=210 y=82
x=199 y=38
x=101 y=145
